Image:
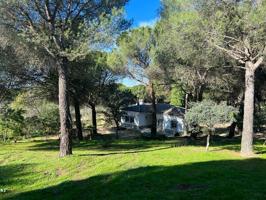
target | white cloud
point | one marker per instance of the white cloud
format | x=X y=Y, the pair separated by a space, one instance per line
x=150 y=23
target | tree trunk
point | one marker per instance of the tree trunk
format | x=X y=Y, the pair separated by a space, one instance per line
x=199 y=93
x=154 y=117
x=247 y=135
x=232 y=129
x=186 y=102
x=94 y=119
x=78 y=119
x=186 y=109
x=208 y=141
x=65 y=119
x=116 y=130
x=239 y=117
x=4 y=136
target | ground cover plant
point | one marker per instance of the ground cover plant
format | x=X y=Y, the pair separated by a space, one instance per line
x=135 y=169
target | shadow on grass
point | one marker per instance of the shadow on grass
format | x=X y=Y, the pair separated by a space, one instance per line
x=126 y=152
x=141 y=145
x=229 y=179
x=234 y=144
x=10 y=174
x=102 y=145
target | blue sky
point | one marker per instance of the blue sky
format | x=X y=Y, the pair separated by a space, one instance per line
x=143 y=13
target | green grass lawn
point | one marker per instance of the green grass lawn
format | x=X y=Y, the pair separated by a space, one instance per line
x=134 y=170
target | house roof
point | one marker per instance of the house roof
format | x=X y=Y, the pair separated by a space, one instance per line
x=175 y=111
x=147 y=108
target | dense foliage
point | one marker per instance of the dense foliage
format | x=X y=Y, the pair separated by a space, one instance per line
x=210 y=114
x=73 y=53
x=11 y=123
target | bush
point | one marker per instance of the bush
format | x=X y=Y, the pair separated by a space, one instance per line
x=41 y=116
x=11 y=123
x=208 y=114
x=260 y=118
x=45 y=121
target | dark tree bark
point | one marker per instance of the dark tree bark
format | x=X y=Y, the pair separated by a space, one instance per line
x=232 y=129
x=199 y=92
x=247 y=135
x=154 y=117
x=65 y=118
x=78 y=119
x=94 y=119
x=117 y=130
x=237 y=102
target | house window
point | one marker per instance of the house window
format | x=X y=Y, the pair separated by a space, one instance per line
x=126 y=119
x=131 y=119
x=173 y=124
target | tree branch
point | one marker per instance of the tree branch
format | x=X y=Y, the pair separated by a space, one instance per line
x=258 y=63
x=47 y=10
x=232 y=54
x=37 y=4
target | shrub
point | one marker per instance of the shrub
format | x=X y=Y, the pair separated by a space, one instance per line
x=260 y=118
x=45 y=121
x=208 y=114
x=41 y=116
x=11 y=123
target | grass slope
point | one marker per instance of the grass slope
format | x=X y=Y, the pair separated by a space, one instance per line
x=136 y=169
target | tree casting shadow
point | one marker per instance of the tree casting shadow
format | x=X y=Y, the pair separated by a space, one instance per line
x=140 y=145
x=101 y=145
x=228 y=179
x=10 y=174
x=126 y=152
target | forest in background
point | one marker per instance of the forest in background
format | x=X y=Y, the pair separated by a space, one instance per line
x=64 y=55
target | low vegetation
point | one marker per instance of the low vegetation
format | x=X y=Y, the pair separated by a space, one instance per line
x=134 y=169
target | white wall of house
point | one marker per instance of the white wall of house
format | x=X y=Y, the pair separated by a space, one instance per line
x=168 y=120
x=140 y=119
x=144 y=119
x=164 y=122
x=159 y=116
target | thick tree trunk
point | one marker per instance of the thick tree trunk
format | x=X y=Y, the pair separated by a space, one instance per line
x=78 y=119
x=247 y=135
x=65 y=118
x=94 y=119
x=154 y=117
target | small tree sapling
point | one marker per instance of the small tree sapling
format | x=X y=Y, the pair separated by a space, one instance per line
x=208 y=114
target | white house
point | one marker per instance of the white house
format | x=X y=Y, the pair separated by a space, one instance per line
x=170 y=119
